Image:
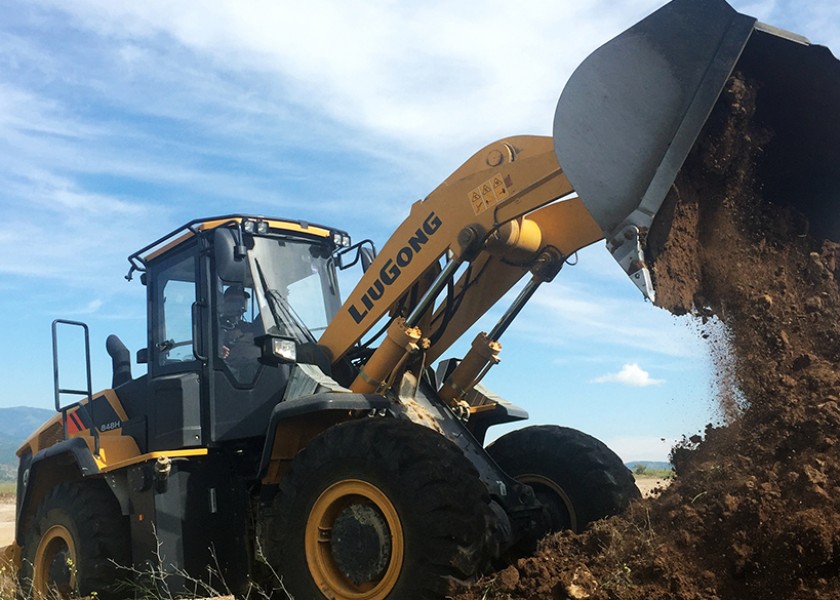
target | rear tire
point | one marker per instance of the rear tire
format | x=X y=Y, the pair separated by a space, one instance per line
x=378 y=509
x=76 y=541
x=577 y=477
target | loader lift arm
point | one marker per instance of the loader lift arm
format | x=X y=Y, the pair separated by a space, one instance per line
x=498 y=213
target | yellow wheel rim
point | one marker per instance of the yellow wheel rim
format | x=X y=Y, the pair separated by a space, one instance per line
x=331 y=579
x=540 y=481
x=55 y=564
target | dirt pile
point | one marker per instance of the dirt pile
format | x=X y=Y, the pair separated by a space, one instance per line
x=755 y=508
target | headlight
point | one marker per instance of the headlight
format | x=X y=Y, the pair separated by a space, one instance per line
x=262 y=227
x=248 y=226
x=284 y=349
x=341 y=240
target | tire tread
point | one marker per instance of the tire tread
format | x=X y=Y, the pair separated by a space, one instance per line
x=430 y=477
x=104 y=539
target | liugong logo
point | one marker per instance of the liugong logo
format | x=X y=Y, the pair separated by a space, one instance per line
x=393 y=267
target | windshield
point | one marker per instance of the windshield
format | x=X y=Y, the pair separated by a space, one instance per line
x=298 y=283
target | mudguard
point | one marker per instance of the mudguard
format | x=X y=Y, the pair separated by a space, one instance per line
x=72 y=452
x=316 y=405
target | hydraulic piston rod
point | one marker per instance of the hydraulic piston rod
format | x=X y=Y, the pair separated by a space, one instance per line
x=485 y=349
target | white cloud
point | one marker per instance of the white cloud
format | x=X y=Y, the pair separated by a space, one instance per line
x=437 y=74
x=630 y=374
x=119 y=121
x=90 y=308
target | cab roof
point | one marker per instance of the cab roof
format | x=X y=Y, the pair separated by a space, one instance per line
x=140 y=259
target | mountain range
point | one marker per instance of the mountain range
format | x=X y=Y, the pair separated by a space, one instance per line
x=16 y=424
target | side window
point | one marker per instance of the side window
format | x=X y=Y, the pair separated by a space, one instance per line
x=175 y=290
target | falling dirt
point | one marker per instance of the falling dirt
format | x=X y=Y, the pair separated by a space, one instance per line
x=754 y=511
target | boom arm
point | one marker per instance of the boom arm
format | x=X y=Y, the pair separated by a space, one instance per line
x=475 y=216
x=501 y=182
x=566 y=226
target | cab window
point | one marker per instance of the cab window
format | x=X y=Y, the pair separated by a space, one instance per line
x=175 y=292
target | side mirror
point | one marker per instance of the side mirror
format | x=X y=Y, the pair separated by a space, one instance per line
x=367 y=254
x=364 y=251
x=230 y=255
x=142 y=356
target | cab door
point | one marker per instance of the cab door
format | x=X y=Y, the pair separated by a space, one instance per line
x=244 y=390
x=176 y=366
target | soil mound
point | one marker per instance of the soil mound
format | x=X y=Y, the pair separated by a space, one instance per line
x=754 y=511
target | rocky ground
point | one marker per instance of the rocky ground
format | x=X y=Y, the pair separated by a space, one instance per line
x=7 y=521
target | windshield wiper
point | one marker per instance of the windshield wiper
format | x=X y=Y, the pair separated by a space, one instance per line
x=282 y=311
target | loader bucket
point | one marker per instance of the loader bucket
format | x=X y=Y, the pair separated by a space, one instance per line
x=633 y=110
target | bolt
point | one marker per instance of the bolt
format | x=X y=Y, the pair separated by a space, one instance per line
x=494 y=158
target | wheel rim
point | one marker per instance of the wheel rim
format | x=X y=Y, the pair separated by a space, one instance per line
x=354 y=567
x=550 y=493
x=55 y=564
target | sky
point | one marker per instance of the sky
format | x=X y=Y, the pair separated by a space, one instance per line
x=121 y=121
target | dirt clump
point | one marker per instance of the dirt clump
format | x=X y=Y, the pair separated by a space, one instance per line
x=754 y=511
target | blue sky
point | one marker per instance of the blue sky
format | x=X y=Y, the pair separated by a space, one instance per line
x=122 y=121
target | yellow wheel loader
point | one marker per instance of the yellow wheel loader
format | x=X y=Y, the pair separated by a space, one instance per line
x=325 y=449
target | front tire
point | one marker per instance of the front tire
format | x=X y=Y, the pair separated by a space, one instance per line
x=378 y=509
x=577 y=477
x=76 y=542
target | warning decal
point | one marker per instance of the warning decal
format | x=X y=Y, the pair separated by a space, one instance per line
x=489 y=193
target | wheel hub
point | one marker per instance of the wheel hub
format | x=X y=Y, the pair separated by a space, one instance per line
x=560 y=507
x=59 y=569
x=54 y=564
x=361 y=543
x=354 y=542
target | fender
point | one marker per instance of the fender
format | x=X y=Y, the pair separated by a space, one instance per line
x=39 y=473
x=308 y=416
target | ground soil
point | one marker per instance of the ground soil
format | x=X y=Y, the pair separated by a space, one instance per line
x=7 y=521
x=651 y=486
x=754 y=511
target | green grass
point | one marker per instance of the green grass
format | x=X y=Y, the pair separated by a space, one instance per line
x=7 y=490
x=645 y=471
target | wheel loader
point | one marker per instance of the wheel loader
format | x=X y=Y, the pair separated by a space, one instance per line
x=328 y=449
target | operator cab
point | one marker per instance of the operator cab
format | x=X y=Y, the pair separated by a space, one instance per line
x=231 y=302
